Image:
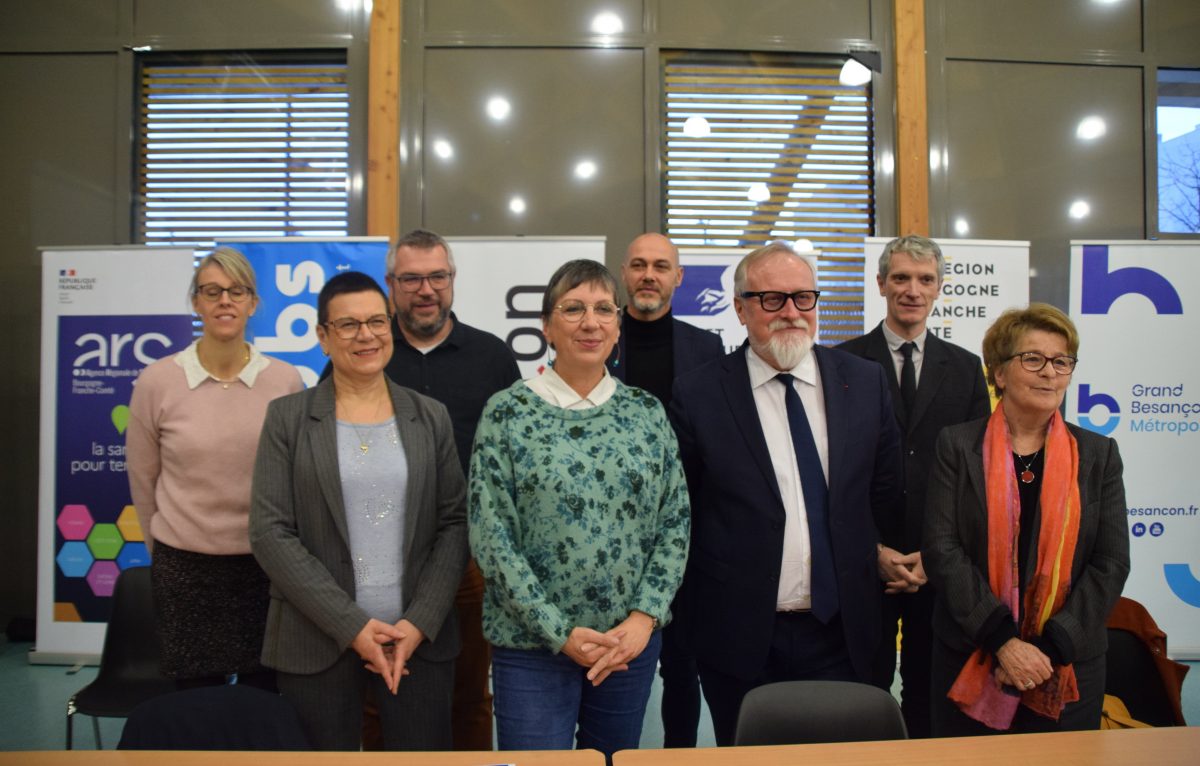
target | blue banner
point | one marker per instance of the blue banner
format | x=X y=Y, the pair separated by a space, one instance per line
x=291 y=272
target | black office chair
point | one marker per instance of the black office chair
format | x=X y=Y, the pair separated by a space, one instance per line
x=129 y=663
x=215 y=718
x=806 y=712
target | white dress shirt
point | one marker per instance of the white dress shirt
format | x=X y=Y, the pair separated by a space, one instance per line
x=894 y=342
x=554 y=390
x=795 y=574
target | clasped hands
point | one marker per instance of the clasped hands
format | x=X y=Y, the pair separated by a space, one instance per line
x=900 y=572
x=1023 y=665
x=385 y=649
x=612 y=651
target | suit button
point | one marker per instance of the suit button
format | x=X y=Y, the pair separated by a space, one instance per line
x=912 y=452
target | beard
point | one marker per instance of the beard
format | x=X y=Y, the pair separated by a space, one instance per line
x=424 y=328
x=648 y=305
x=786 y=350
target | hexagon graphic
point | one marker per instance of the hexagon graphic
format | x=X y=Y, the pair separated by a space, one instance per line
x=133 y=555
x=103 y=577
x=74 y=522
x=127 y=522
x=105 y=541
x=74 y=559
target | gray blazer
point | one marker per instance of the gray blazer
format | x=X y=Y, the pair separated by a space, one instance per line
x=298 y=530
x=954 y=549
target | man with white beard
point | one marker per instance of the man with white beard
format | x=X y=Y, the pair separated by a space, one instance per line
x=791 y=452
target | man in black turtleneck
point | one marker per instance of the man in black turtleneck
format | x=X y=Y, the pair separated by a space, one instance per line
x=654 y=348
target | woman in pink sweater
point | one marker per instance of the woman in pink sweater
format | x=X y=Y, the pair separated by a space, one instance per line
x=193 y=432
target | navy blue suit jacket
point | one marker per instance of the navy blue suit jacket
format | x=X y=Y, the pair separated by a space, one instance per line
x=691 y=347
x=732 y=579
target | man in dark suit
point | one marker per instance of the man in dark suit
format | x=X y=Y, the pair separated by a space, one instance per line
x=653 y=350
x=791 y=450
x=934 y=384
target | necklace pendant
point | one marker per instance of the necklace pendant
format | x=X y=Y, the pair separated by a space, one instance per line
x=1027 y=476
x=365 y=448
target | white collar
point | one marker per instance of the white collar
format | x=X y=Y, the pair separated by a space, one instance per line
x=894 y=341
x=554 y=390
x=762 y=372
x=193 y=370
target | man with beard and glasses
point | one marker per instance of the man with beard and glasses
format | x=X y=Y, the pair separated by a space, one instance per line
x=791 y=450
x=460 y=366
x=654 y=348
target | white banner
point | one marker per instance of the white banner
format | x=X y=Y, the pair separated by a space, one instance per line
x=106 y=314
x=500 y=283
x=1137 y=307
x=983 y=278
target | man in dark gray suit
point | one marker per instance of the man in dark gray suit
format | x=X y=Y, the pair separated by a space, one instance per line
x=655 y=348
x=934 y=384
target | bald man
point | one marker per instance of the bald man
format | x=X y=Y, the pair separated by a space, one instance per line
x=654 y=349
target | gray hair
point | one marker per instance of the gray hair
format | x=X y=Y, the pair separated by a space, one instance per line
x=767 y=250
x=920 y=249
x=230 y=261
x=572 y=274
x=419 y=239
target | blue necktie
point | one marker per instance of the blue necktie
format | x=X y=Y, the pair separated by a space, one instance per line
x=816 y=504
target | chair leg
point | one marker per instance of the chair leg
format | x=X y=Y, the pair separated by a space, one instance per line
x=96 y=729
x=70 y=718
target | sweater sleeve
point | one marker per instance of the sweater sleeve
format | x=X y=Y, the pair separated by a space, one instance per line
x=494 y=522
x=664 y=569
x=143 y=460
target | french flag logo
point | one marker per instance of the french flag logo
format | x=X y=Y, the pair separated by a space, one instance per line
x=66 y=272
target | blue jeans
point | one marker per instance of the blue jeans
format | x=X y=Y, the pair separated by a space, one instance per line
x=540 y=699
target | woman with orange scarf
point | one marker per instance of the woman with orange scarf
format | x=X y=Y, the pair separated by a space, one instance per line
x=1026 y=543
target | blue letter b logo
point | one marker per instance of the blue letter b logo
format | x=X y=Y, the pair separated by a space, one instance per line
x=1102 y=287
x=1088 y=400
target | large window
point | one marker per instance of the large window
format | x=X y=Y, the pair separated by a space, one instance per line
x=759 y=147
x=1178 y=118
x=242 y=145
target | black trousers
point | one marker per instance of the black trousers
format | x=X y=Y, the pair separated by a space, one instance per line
x=916 y=652
x=802 y=649
x=681 y=689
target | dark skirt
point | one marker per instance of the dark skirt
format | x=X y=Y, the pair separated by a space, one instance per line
x=211 y=612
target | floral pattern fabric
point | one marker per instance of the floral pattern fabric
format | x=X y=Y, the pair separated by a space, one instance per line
x=577 y=517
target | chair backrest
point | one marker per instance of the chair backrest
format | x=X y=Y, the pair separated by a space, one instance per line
x=1138 y=670
x=804 y=712
x=131 y=647
x=215 y=718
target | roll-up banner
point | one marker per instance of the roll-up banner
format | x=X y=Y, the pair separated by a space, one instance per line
x=1137 y=307
x=106 y=314
x=500 y=283
x=983 y=278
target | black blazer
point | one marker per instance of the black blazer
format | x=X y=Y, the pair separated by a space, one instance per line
x=732 y=578
x=691 y=347
x=951 y=390
x=956 y=540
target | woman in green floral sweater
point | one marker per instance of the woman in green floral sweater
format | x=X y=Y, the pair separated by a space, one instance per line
x=579 y=521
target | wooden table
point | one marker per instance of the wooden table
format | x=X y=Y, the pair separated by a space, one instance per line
x=213 y=758
x=1170 y=746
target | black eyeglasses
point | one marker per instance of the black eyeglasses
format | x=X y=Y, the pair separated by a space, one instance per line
x=1034 y=361
x=773 y=300
x=347 y=328
x=411 y=283
x=211 y=292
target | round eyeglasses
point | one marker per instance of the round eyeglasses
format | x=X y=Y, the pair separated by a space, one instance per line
x=1034 y=361
x=605 y=312
x=211 y=292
